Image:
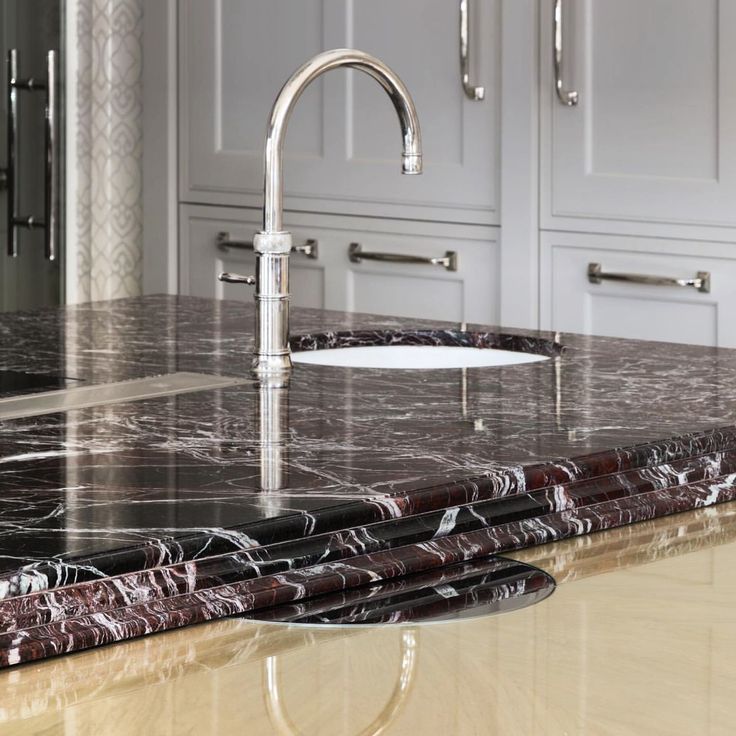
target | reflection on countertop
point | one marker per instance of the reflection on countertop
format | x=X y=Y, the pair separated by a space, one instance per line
x=123 y=520
x=638 y=638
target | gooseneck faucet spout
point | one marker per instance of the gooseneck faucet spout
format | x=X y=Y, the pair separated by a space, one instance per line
x=273 y=244
x=286 y=101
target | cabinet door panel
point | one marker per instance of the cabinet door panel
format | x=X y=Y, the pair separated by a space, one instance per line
x=342 y=151
x=571 y=303
x=233 y=63
x=460 y=136
x=332 y=281
x=651 y=139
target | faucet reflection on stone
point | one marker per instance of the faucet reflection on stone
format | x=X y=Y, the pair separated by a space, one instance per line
x=272 y=424
x=273 y=244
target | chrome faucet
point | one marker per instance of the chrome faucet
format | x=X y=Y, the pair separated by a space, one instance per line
x=273 y=244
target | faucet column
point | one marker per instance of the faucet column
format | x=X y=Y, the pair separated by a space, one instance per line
x=272 y=302
x=273 y=244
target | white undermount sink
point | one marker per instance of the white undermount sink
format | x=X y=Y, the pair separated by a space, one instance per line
x=413 y=357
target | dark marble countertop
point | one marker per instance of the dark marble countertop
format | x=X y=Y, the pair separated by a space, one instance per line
x=98 y=478
x=116 y=488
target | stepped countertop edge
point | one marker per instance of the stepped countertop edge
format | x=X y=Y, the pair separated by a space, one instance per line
x=545 y=431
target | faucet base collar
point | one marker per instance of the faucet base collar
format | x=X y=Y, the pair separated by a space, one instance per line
x=272 y=242
x=271 y=366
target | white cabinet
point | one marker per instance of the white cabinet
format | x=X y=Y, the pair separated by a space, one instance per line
x=571 y=303
x=468 y=294
x=343 y=144
x=653 y=138
x=640 y=176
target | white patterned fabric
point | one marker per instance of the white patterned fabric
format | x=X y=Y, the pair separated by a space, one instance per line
x=109 y=142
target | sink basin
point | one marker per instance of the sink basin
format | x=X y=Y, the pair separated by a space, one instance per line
x=422 y=357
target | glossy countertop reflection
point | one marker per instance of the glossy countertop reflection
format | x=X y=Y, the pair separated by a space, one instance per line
x=82 y=482
x=638 y=638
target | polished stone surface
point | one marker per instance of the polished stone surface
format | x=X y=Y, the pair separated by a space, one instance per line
x=104 y=478
x=372 y=474
x=638 y=638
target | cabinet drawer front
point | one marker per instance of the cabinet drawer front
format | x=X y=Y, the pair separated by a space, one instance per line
x=429 y=291
x=574 y=301
x=468 y=293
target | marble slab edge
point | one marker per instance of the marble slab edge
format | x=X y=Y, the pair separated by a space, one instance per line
x=94 y=596
x=515 y=481
x=141 y=618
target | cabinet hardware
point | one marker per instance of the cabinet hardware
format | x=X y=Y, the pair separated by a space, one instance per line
x=566 y=97
x=50 y=224
x=473 y=92
x=701 y=282
x=448 y=261
x=309 y=248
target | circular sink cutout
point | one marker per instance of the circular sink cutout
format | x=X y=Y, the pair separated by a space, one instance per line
x=415 y=357
x=421 y=349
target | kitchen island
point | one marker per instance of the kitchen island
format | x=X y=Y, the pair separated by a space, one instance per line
x=122 y=519
x=638 y=638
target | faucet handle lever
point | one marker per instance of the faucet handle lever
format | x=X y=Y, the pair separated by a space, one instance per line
x=236 y=278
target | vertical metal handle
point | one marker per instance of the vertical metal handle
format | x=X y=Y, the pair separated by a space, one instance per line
x=50 y=223
x=51 y=175
x=566 y=97
x=12 y=138
x=473 y=92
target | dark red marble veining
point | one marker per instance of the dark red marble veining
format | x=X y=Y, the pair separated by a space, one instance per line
x=98 y=595
x=77 y=633
x=688 y=453
x=122 y=520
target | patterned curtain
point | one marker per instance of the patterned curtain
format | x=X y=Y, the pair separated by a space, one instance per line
x=109 y=146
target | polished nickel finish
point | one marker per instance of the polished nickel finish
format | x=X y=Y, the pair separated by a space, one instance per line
x=236 y=278
x=357 y=254
x=273 y=244
x=701 y=282
x=471 y=91
x=12 y=138
x=272 y=420
x=566 y=97
x=309 y=248
x=51 y=179
x=52 y=200
x=284 y=105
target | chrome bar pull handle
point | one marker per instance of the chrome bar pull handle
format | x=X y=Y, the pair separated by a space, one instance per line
x=471 y=91
x=12 y=142
x=309 y=248
x=448 y=261
x=566 y=97
x=50 y=223
x=51 y=174
x=701 y=282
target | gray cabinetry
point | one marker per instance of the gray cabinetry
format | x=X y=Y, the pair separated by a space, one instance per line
x=343 y=144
